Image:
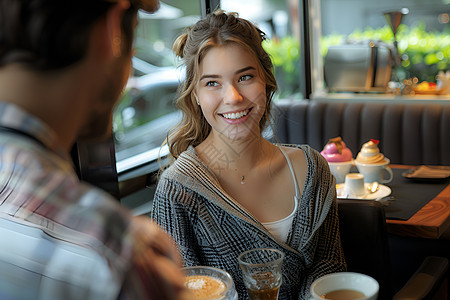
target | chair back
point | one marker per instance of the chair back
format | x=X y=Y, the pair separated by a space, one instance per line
x=365 y=242
x=409 y=133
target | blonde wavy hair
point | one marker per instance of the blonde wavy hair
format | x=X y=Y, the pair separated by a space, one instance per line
x=217 y=29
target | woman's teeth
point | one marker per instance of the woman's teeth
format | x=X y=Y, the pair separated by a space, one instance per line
x=234 y=116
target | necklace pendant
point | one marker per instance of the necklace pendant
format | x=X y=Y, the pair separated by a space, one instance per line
x=242 y=179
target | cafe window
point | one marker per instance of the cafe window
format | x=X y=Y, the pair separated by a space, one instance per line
x=147 y=109
x=354 y=49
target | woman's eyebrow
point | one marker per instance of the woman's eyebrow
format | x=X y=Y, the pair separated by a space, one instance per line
x=213 y=76
x=245 y=69
x=209 y=76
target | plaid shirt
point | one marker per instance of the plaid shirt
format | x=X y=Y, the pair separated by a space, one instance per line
x=45 y=208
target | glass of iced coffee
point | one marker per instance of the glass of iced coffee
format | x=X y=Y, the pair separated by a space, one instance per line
x=209 y=283
x=261 y=269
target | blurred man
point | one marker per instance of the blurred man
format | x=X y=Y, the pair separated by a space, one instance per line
x=63 y=65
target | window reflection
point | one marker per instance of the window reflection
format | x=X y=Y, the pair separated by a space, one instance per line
x=423 y=37
x=147 y=110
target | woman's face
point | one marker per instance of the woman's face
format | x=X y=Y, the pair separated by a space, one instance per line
x=231 y=93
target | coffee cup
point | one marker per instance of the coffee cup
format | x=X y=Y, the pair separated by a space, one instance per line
x=209 y=283
x=345 y=285
x=376 y=172
x=354 y=185
x=340 y=169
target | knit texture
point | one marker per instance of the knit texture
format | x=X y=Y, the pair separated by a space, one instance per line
x=212 y=229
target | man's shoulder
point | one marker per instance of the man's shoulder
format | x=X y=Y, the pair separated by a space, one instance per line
x=41 y=184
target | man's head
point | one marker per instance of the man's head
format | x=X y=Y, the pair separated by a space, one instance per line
x=53 y=36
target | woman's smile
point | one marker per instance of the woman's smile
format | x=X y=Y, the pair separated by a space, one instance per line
x=236 y=117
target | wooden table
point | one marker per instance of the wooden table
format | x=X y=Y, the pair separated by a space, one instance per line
x=431 y=221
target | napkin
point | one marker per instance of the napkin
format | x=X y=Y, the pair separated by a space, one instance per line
x=430 y=172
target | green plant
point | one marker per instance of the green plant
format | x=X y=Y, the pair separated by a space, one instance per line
x=423 y=53
x=285 y=55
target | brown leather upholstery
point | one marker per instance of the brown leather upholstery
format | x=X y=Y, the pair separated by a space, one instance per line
x=409 y=133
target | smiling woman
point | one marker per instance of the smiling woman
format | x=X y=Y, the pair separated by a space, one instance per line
x=194 y=130
x=230 y=190
x=231 y=94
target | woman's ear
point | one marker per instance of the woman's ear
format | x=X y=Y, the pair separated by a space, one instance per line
x=196 y=97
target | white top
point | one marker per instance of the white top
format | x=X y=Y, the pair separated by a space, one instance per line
x=280 y=229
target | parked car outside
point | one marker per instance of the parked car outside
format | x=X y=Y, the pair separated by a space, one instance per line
x=146 y=112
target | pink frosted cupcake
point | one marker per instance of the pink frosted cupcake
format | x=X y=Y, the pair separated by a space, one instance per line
x=339 y=157
x=336 y=151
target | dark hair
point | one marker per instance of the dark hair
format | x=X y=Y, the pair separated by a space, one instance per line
x=217 y=29
x=52 y=34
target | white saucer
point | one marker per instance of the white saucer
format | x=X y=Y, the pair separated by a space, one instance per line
x=383 y=191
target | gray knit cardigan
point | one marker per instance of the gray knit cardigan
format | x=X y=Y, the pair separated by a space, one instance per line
x=212 y=229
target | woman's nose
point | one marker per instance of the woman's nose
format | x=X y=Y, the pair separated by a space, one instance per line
x=232 y=94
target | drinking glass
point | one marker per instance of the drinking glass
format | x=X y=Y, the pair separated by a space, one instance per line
x=261 y=269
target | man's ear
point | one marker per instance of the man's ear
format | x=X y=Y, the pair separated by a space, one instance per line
x=114 y=18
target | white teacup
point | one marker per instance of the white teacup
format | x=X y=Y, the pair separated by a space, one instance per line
x=349 y=283
x=340 y=169
x=376 y=172
x=354 y=185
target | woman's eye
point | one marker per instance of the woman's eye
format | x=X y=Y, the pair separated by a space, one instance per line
x=245 y=77
x=211 y=83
